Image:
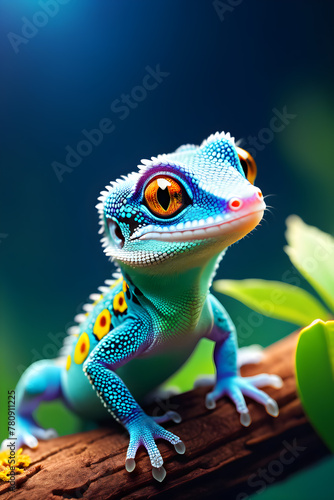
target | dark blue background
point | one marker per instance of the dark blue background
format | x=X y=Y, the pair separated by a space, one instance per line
x=225 y=72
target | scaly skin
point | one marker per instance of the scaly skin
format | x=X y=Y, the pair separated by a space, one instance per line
x=167 y=227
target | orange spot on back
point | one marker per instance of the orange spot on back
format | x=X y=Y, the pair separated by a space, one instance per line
x=102 y=324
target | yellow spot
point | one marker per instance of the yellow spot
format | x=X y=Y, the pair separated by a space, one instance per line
x=119 y=303
x=102 y=324
x=125 y=287
x=68 y=362
x=81 y=349
x=19 y=462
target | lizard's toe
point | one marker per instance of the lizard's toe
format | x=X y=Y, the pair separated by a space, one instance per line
x=236 y=388
x=29 y=440
x=130 y=464
x=28 y=432
x=145 y=431
x=159 y=473
x=180 y=448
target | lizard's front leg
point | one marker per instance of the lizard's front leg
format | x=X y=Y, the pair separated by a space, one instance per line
x=229 y=382
x=123 y=343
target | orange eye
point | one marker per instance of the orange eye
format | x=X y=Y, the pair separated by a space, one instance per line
x=165 y=197
x=248 y=164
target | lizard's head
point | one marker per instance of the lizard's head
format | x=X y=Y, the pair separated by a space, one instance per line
x=183 y=207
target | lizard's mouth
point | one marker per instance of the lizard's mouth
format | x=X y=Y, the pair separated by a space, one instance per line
x=213 y=227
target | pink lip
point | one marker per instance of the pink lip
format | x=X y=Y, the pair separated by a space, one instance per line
x=240 y=224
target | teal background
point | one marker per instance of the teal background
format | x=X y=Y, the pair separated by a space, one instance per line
x=224 y=74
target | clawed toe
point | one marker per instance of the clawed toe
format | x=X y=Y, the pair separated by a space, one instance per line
x=276 y=382
x=210 y=402
x=237 y=388
x=144 y=431
x=29 y=440
x=130 y=464
x=180 y=447
x=159 y=473
x=272 y=408
x=245 y=419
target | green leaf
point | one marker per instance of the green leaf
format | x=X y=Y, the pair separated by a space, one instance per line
x=274 y=299
x=315 y=377
x=312 y=252
x=199 y=363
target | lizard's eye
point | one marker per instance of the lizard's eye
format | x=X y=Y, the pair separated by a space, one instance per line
x=165 y=196
x=248 y=164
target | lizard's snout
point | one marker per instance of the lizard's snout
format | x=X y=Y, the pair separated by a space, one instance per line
x=249 y=202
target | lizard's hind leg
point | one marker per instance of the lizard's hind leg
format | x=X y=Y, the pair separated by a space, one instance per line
x=252 y=354
x=40 y=382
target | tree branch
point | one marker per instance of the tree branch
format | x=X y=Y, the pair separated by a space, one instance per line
x=221 y=456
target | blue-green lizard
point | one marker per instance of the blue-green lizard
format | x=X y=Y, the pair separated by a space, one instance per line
x=166 y=226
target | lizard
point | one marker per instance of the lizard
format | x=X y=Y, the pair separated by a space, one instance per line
x=166 y=226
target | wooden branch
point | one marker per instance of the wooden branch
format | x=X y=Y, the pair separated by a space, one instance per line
x=222 y=457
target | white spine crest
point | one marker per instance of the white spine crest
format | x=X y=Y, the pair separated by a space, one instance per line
x=218 y=136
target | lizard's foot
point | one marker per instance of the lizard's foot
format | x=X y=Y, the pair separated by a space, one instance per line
x=236 y=387
x=28 y=432
x=144 y=431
